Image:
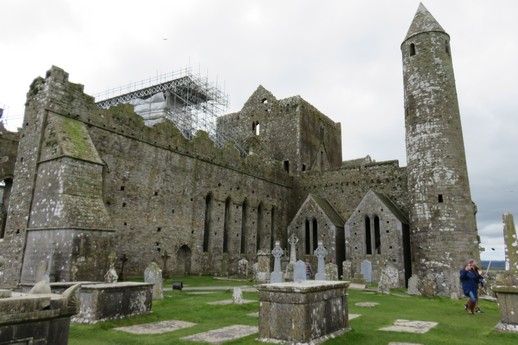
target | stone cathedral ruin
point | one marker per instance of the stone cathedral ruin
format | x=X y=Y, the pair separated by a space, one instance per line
x=134 y=174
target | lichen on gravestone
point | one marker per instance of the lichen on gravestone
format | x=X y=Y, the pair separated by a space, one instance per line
x=510 y=276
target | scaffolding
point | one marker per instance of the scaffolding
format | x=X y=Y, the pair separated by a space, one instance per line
x=189 y=101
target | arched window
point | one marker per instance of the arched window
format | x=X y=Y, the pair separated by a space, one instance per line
x=226 y=225
x=412 y=49
x=244 y=215
x=308 y=238
x=315 y=234
x=206 y=230
x=272 y=232
x=259 y=226
x=377 y=235
x=368 y=239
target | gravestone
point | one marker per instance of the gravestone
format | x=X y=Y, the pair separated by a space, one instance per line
x=41 y=270
x=347 y=269
x=165 y=257
x=237 y=296
x=277 y=276
x=299 y=271
x=289 y=276
x=331 y=271
x=263 y=267
x=321 y=253
x=153 y=275
x=366 y=270
x=413 y=286
x=242 y=268
x=389 y=279
x=111 y=276
x=506 y=287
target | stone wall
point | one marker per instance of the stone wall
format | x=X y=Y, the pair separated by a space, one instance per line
x=103 y=170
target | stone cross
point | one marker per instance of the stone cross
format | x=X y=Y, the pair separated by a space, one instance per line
x=321 y=253
x=293 y=240
x=511 y=244
x=277 y=252
x=165 y=257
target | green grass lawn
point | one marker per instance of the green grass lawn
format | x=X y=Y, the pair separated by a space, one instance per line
x=455 y=325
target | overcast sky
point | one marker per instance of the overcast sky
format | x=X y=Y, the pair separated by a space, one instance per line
x=341 y=56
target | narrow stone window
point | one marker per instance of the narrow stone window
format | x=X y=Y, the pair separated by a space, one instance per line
x=377 y=235
x=226 y=225
x=207 y=224
x=287 y=166
x=303 y=167
x=315 y=234
x=259 y=226
x=412 y=49
x=257 y=128
x=308 y=238
x=368 y=243
x=272 y=231
x=244 y=213
x=447 y=47
x=440 y=198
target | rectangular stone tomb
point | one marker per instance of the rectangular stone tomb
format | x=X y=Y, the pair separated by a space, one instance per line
x=101 y=302
x=307 y=312
x=36 y=319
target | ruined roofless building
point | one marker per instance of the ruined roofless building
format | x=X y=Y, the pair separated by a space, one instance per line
x=88 y=180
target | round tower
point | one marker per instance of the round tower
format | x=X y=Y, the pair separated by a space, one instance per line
x=442 y=214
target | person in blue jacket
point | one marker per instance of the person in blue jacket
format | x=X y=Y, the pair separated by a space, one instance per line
x=471 y=278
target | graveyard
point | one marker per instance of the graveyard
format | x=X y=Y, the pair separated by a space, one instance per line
x=203 y=305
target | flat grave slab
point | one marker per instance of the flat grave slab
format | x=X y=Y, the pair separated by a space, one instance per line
x=229 y=301
x=366 y=304
x=410 y=326
x=354 y=316
x=396 y=343
x=156 y=327
x=224 y=334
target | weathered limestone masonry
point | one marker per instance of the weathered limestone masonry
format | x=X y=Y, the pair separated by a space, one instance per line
x=442 y=214
x=86 y=175
x=88 y=181
x=289 y=130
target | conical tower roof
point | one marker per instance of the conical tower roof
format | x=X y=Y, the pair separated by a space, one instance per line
x=423 y=22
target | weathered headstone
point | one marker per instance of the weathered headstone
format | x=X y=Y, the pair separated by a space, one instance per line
x=277 y=276
x=299 y=271
x=74 y=271
x=293 y=240
x=413 y=286
x=347 y=270
x=389 y=278
x=263 y=267
x=321 y=253
x=242 y=268
x=165 y=257
x=331 y=271
x=506 y=287
x=153 y=275
x=237 y=295
x=366 y=270
x=41 y=270
x=111 y=276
